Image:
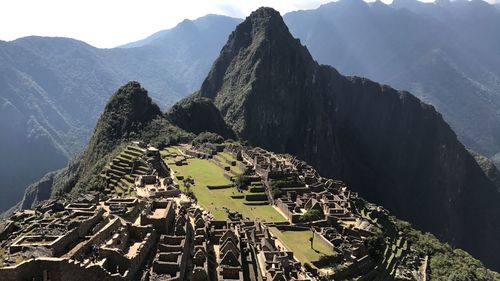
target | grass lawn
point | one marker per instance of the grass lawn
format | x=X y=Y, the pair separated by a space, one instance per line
x=119 y=191
x=298 y=242
x=169 y=150
x=228 y=156
x=206 y=173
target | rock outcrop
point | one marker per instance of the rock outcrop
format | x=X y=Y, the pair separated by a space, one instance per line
x=197 y=115
x=394 y=149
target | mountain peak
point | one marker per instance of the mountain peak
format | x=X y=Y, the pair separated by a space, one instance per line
x=261 y=40
x=128 y=110
x=409 y=4
x=347 y=6
x=265 y=21
x=132 y=99
x=264 y=13
x=353 y=3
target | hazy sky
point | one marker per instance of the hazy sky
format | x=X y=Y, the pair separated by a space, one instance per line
x=108 y=23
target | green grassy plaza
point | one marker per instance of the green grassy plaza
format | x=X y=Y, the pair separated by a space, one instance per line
x=298 y=242
x=205 y=172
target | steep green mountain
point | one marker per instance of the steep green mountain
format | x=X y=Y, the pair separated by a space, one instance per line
x=128 y=110
x=447 y=53
x=394 y=149
x=130 y=114
x=53 y=90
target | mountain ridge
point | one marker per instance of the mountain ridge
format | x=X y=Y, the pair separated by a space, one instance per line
x=440 y=52
x=129 y=115
x=200 y=23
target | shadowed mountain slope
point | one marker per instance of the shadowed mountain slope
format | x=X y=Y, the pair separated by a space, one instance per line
x=394 y=149
x=447 y=53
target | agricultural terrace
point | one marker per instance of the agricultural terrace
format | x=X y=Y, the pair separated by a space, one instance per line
x=205 y=172
x=121 y=172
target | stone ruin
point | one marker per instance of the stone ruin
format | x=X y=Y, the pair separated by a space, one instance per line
x=158 y=235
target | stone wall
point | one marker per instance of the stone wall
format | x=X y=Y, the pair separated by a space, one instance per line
x=293 y=218
x=57 y=269
x=128 y=266
x=97 y=238
x=161 y=224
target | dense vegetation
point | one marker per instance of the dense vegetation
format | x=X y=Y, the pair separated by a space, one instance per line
x=207 y=137
x=128 y=111
x=196 y=114
x=446 y=263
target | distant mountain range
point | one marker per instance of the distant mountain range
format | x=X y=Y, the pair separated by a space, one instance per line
x=53 y=89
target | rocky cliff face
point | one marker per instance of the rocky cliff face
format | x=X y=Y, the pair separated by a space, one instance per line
x=445 y=52
x=388 y=145
x=489 y=168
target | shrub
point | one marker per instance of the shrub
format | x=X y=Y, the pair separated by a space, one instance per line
x=207 y=137
x=276 y=193
x=191 y=194
x=240 y=181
